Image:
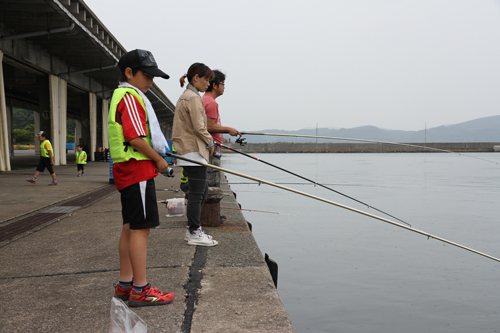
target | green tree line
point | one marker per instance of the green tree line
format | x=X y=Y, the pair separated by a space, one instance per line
x=24 y=129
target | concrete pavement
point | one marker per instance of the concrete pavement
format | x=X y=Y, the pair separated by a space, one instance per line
x=57 y=273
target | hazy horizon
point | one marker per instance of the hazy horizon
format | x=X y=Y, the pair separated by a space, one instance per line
x=387 y=129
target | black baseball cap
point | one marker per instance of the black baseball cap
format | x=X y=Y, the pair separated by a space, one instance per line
x=143 y=60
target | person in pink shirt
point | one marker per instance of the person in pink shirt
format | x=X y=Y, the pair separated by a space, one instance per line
x=214 y=125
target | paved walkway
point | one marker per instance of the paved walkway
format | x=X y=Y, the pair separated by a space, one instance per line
x=59 y=260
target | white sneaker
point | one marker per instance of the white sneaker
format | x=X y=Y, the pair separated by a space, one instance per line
x=198 y=237
x=186 y=237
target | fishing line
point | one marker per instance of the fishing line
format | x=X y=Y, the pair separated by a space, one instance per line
x=335 y=204
x=247 y=183
x=228 y=191
x=309 y=180
x=257 y=211
x=348 y=185
x=374 y=141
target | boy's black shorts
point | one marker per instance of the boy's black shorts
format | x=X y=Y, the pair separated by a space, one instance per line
x=44 y=163
x=134 y=198
x=80 y=167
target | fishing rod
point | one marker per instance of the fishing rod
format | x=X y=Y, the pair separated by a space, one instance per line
x=247 y=183
x=335 y=204
x=242 y=141
x=351 y=185
x=309 y=180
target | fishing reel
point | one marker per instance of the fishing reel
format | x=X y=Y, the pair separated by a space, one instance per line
x=217 y=154
x=241 y=141
x=169 y=173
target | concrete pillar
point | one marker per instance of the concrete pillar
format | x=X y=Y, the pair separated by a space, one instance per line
x=36 y=115
x=58 y=105
x=105 y=110
x=42 y=115
x=93 y=125
x=78 y=133
x=10 y=126
x=4 y=132
x=63 y=120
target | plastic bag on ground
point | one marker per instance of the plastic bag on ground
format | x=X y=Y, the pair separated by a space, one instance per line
x=123 y=320
x=175 y=207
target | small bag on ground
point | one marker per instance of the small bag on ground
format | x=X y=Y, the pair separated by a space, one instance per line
x=123 y=320
x=176 y=207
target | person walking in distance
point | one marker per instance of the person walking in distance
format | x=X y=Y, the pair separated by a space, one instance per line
x=81 y=160
x=46 y=159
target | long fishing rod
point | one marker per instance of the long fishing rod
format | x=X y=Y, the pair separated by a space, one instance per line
x=309 y=180
x=335 y=204
x=352 y=185
x=374 y=141
x=253 y=183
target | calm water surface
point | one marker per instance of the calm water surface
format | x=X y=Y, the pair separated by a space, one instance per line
x=340 y=271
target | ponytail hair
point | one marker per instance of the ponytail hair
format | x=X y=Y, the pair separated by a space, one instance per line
x=182 y=80
x=197 y=68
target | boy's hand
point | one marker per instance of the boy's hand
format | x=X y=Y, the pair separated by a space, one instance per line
x=142 y=146
x=161 y=165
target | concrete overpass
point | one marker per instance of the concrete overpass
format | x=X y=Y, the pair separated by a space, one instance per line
x=60 y=61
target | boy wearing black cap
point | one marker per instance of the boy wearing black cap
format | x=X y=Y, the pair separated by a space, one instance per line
x=136 y=142
x=46 y=159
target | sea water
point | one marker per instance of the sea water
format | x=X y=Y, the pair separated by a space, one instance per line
x=340 y=271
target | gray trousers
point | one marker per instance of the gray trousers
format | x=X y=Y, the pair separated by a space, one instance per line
x=198 y=193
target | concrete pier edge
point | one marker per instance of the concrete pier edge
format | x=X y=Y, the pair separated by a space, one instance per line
x=349 y=147
x=58 y=276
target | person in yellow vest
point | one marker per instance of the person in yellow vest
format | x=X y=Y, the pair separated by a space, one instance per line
x=184 y=180
x=81 y=160
x=136 y=144
x=46 y=159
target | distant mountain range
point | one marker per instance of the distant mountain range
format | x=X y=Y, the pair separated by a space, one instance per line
x=479 y=130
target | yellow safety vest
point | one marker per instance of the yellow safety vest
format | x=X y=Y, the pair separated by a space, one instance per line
x=44 y=152
x=81 y=157
x=184 y=179
x=119 y=148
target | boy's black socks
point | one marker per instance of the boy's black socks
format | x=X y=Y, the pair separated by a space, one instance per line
x=139 y=289
x=125 y=284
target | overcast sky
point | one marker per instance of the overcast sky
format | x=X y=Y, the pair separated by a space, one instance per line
x=402 y=64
